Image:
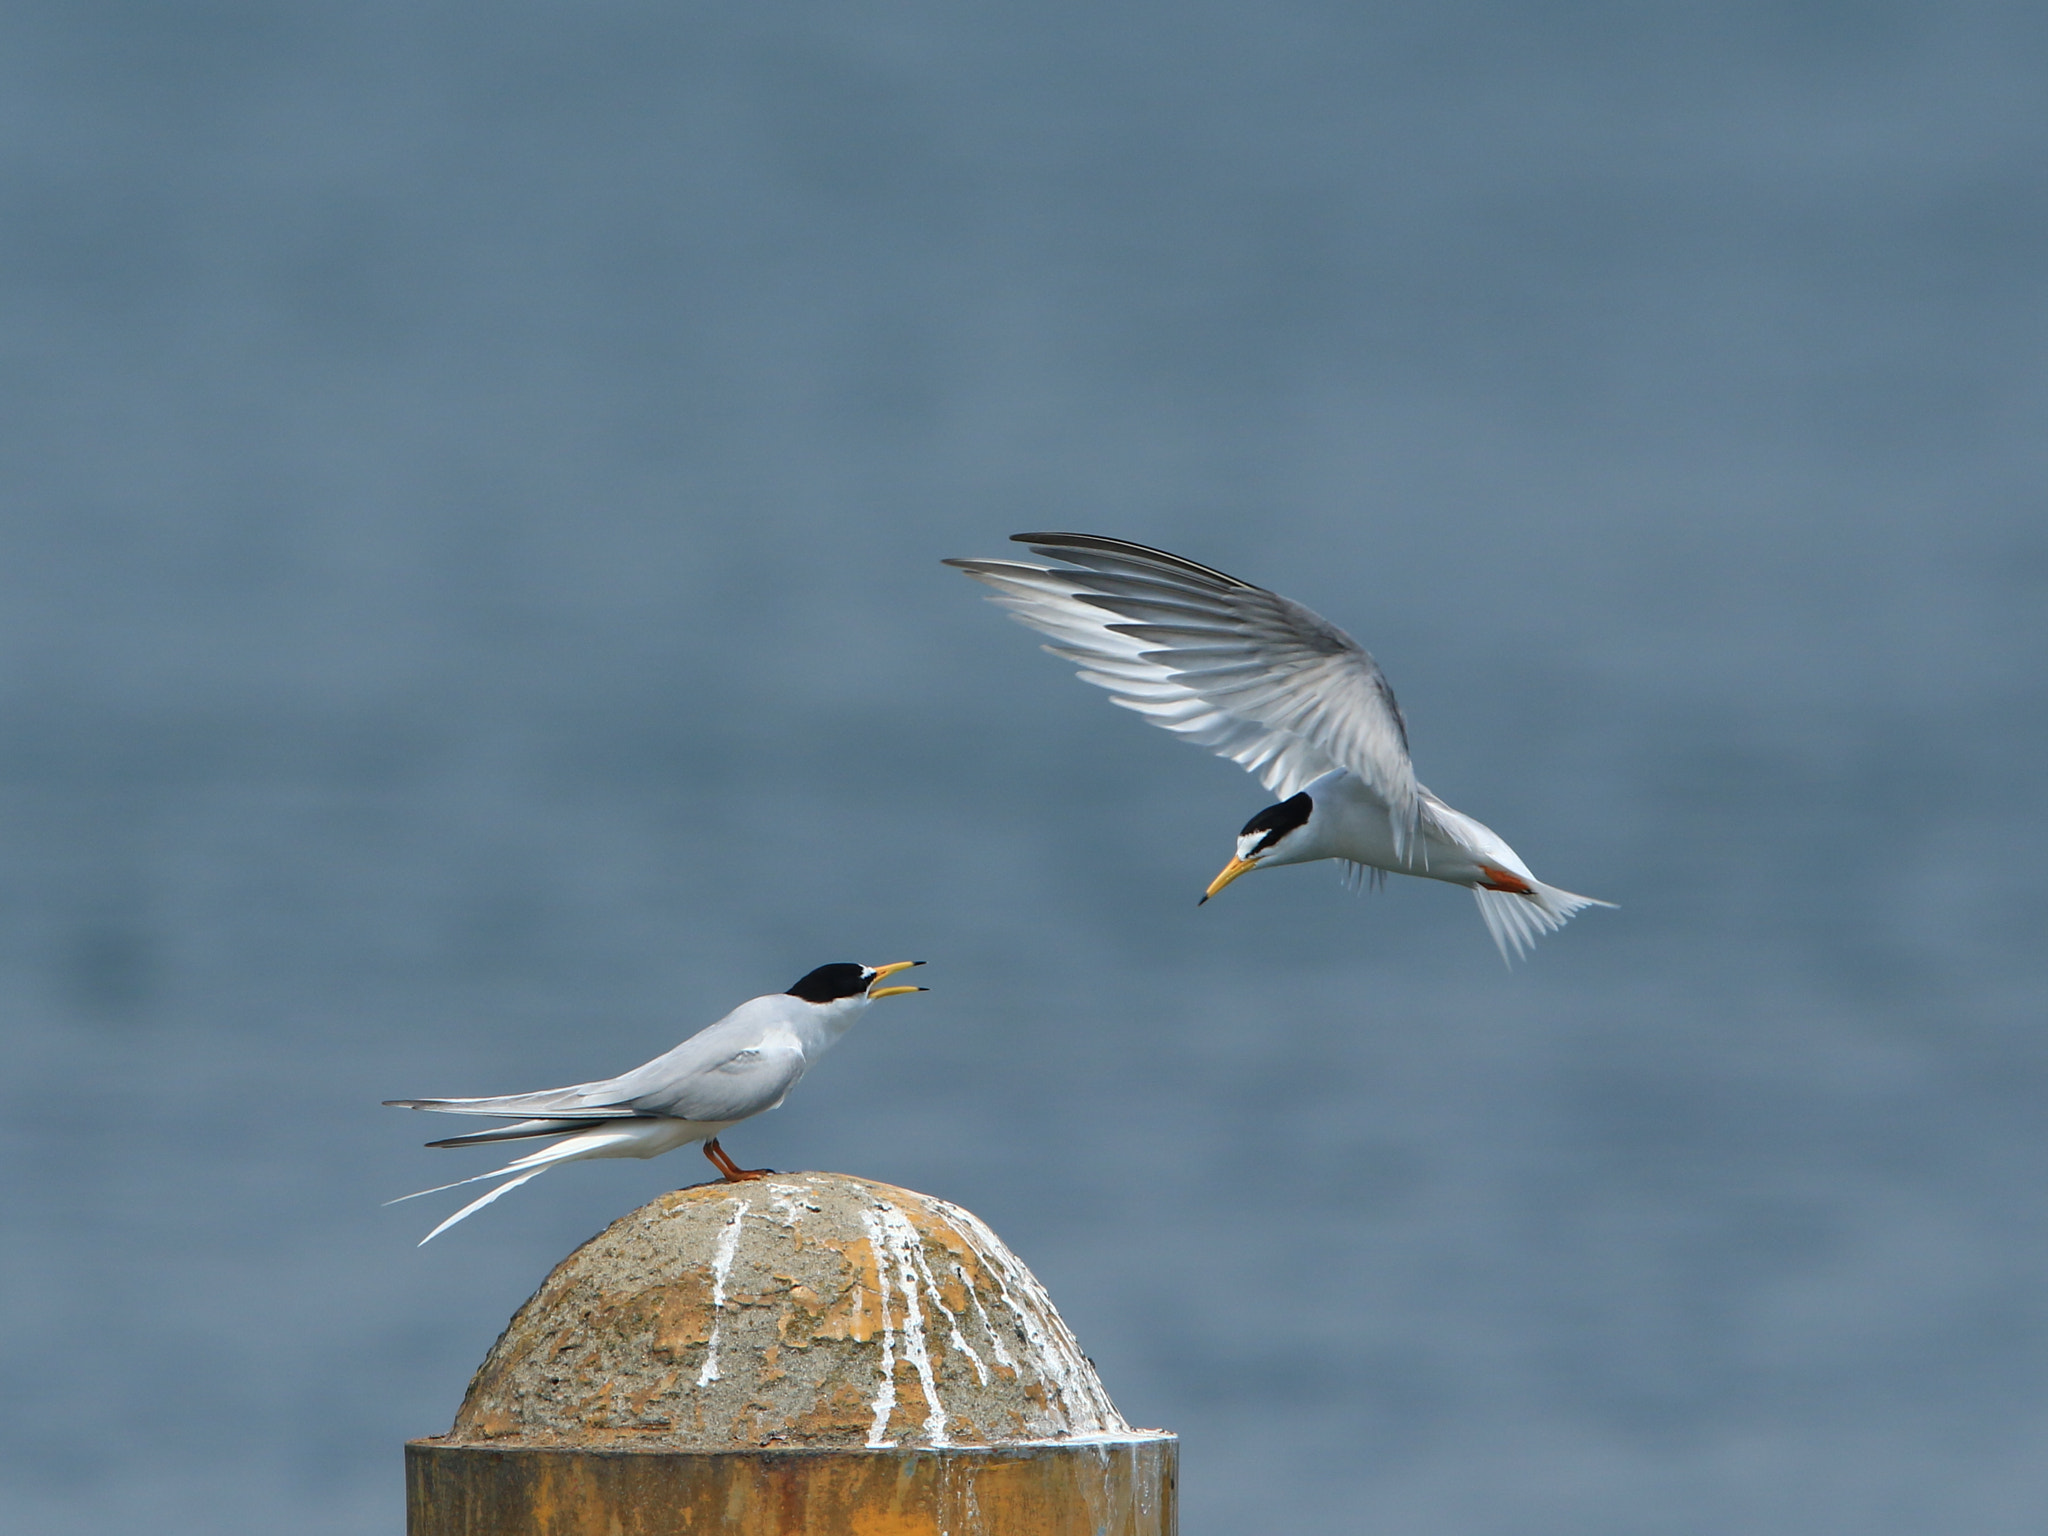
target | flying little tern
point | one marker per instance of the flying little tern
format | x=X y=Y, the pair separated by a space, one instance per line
x=742 y=1066
x=1270 y=685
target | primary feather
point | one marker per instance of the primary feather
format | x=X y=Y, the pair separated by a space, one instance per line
x=1253 y=676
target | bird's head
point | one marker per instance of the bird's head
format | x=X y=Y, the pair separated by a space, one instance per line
x=844 y=981
x=1277 y=835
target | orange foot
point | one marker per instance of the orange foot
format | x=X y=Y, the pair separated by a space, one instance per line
x=730 y=1170
x=1505 y=880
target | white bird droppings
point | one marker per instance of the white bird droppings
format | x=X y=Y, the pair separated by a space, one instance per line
x=721 y=1266
x=896 y=1248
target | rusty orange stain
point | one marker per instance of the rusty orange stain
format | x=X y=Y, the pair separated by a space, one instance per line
x=1125 y=1488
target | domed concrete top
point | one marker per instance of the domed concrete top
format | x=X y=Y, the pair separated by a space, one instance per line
x=808 y=1309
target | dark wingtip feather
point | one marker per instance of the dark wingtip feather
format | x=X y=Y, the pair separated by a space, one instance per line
x=1051 y=543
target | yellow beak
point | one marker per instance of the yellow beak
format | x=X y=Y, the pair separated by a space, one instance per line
x=882 y=971
x=1231 y=871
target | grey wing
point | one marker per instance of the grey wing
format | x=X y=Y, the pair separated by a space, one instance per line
x=523 y=1130
x=1251 y=675
x=745 y=1083
x=582 y=1101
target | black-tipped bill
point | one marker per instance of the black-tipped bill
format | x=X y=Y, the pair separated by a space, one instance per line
x=1231 y=871
x=883 y=972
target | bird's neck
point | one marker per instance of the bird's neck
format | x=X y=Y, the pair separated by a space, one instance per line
x=819 y=1028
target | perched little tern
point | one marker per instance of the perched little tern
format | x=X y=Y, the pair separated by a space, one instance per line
x=742 y=1066
x=1263 y=681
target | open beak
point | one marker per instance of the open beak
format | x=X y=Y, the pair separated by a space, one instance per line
x=882 y=972
x=1231 y=871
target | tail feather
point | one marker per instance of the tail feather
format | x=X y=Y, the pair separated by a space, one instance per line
x=484 y=1199
x=1517 y=921
x=474 y=1178
x=595 y=1140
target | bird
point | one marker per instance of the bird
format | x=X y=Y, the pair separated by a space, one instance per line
x=1281 y=691
x=742 y=1066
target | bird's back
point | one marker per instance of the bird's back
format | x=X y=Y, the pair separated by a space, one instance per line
x=747 y=1026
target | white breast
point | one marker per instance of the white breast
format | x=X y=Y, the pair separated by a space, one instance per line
x=1352 y=823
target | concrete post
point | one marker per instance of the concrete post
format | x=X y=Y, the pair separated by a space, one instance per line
x=803 y=1353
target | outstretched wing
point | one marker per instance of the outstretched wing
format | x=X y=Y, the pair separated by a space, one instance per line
x=1251 y=675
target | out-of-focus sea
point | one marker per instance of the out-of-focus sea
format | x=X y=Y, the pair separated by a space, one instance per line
x=470 y=613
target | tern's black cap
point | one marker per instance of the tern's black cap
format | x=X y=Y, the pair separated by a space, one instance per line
x=1276 y=821
x=829 y=983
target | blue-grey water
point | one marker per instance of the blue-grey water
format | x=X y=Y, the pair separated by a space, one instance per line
x=473 y=483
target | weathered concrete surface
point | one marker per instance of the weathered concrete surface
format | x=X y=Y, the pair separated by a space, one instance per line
x=803 y=1353
x=802 y=1310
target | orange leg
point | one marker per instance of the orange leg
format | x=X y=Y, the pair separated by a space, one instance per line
x=730 y=1170
x=1504 y=880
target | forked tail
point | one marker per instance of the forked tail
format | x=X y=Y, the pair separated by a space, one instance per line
x=594 y=1140
x=1517 y=921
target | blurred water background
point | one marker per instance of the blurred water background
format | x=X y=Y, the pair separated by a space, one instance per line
x=470 y=614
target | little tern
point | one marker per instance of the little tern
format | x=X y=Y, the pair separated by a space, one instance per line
x=1270 y=685
x=742 y=1066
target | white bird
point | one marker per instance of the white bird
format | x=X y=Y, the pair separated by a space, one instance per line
x=743 y=1065
x=1263 y=681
